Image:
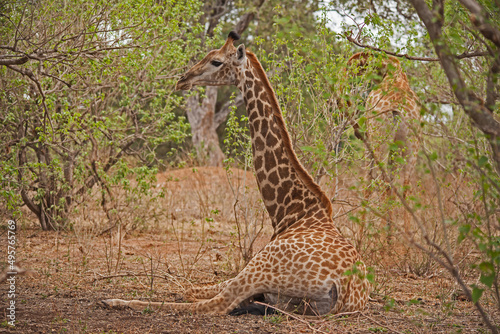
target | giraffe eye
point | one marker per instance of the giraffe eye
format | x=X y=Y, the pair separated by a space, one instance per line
x=216 y=63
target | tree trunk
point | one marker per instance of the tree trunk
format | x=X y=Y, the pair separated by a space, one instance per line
x=204 y=129
x=202 y=116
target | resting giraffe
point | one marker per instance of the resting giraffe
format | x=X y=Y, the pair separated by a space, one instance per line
x=304 y=264
x=394 y=106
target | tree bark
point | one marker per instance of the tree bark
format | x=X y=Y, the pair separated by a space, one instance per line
x=201 y=116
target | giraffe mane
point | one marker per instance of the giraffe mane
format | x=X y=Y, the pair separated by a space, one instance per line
x=304 y=176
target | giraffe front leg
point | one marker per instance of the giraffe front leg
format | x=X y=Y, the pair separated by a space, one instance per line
x=216 y=305
x=139 y=305
x=231 y=294
x=205 y=292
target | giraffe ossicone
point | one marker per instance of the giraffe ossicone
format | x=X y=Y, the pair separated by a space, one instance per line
x=308 y=266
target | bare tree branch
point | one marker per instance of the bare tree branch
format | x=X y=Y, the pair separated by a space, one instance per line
x=405 y=55
x=89 y=183
x=16 y=61
x=32 y=77
x=22 y=162
x=245 y=20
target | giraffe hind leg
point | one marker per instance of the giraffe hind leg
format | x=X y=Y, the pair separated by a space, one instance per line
x=193 y=294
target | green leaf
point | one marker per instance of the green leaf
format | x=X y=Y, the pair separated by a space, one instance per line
x=307 y=149
x=370 y=277
x=464 y=230
x=400 y=160
x=389 y=304
x=476 y=294
x=393 y=146
x=414 y=302
x=486 y=267
x=487 y=280
x=354 y=219
x=361 y=121
x=282 y=20
x=482 y=161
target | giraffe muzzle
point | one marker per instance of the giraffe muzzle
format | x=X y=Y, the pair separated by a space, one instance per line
x=183 y=84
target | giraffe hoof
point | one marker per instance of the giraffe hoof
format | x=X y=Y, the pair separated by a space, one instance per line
x=113 y=304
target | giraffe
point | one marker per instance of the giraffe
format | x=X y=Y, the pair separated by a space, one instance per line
x=308 y=266
x=392 y=114
x=391 y=110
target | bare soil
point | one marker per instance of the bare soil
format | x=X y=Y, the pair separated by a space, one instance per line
x=72 y=271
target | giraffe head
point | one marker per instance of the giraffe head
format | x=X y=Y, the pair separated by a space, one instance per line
x=380 y=67
x=218 y=68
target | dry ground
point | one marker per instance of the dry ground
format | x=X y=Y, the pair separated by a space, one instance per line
x=193 y=240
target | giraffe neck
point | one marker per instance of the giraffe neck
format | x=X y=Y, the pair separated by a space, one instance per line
x=394 y=76
x=288 y=191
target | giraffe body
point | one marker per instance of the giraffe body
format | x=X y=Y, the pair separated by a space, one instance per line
x=303 y=267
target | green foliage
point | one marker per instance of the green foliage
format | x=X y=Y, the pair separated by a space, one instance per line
x=390 y=304
x=275 y=318
x=237 y=139
x=147 y=310
x=101 y=90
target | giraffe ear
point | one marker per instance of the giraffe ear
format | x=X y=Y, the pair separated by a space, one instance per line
x=240 y=53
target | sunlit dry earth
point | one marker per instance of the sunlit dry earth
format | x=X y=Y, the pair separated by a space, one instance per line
x=193 y=240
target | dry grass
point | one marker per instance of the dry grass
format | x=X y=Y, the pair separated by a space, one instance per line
x=189 y=236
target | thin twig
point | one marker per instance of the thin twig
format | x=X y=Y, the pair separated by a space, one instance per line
x=101 y=277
